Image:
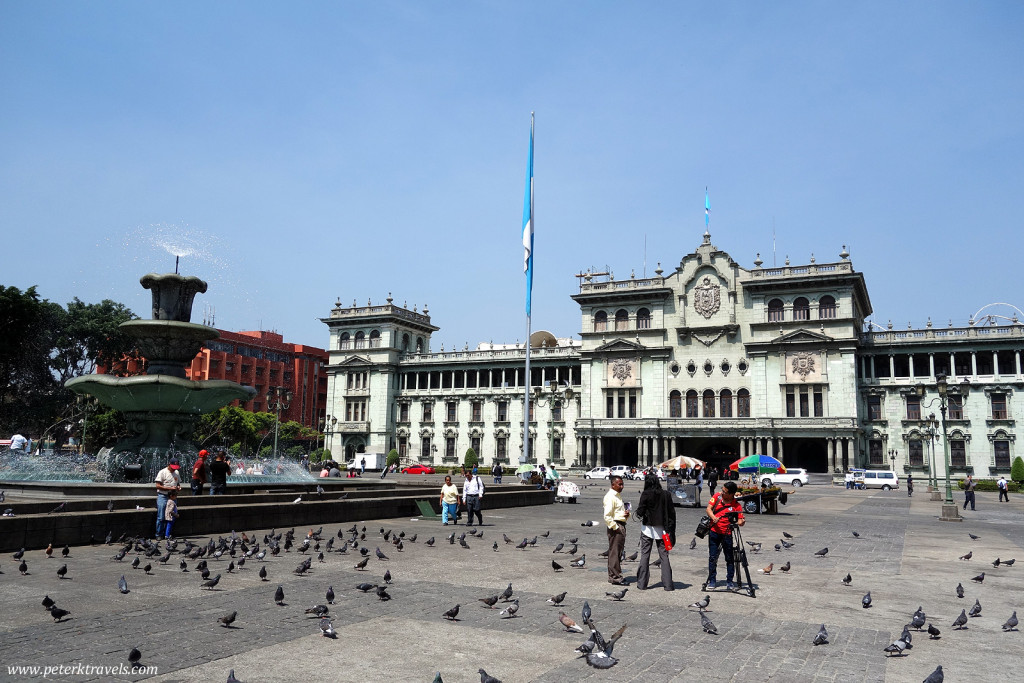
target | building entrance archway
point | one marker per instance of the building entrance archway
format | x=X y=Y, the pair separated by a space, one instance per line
x=620 y=451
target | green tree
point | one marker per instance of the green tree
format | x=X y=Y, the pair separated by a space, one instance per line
x=28 y=388
x=89 y=335
x=392 y=458
x=104 y=429
x=471 y=459
x=1017 y=470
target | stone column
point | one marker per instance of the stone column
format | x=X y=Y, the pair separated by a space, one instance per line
x=771 y=447
x=599 y=452
x=780 y=455
x=910 y=359
x=974 y=364
x=831 y=446
x=931 y=365
x=892 y=366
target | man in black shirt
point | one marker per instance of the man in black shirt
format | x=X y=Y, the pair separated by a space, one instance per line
x=219 y=471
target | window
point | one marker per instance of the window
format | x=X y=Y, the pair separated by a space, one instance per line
x=600 y=322
x=709 y=403
x=643 y=319
x=343 y=341
x=450 y=408
x=874 y=407
x=355 y=411
x=474 y=443
x=875 y=455
x=826 y=307
x=691 y=404
x=998 y=406
x=916 y=453
x=913 y=407
x=477 y=409
x=360 y=340
x=801 y=309
x=620 y=403
x=621 y=320
x=530 y=417
x=403 y=412
x=425 y=453
x=743 y=403
x=556 y=411
x=957 y=453
x=790 y=402
x=403 y=447
x=955 y=406
x=501 y=448
x=428 y=412
x=725 y=403
x=675 y=404
x=449 y=448
x=775 y=311
x=419 y=345
x=1002 y=448
x=405 y=343
x=502 y=411
x=804 y=407
x=375 y=339
x=819 y=402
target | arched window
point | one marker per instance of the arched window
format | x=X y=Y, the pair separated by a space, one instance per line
x=600 y=321
x=643 y=319
x=419 y=344
x=725 y=403
x=675 y=404
x=621 y=320
x=360 y=340
x=743 y=403
x=709 y=403
x=374 y=339
x=775 y=311
x=343 y=341
x=826 y=307
x=801 y=309
x=405 y=343
x=691 y=404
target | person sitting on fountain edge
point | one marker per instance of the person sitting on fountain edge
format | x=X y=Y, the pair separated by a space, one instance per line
x=167 y=480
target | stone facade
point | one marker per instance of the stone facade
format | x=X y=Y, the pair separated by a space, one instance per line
x=710 y=360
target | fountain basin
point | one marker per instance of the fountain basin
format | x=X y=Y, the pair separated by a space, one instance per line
x=160 y=393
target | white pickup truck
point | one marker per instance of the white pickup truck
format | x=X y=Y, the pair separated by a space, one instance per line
x=794 y=475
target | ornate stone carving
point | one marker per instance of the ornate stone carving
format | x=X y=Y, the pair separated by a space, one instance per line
x=622 y=370
x=803 y=364
x=707 y=298
x=708 y=341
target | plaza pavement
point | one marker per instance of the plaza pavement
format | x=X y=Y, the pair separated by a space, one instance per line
x=905 y=557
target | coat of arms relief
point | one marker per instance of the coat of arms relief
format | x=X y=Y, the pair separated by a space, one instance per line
x=707 y=298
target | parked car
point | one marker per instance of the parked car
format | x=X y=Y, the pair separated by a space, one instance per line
x=881 y=479
x=418 y=469
x=597 y=473
x=795 y=476
x=641 y=474
x=620 y=471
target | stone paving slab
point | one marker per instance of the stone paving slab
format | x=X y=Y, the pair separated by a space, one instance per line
x=905 y=556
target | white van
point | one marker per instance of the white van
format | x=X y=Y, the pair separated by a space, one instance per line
x=881 y=479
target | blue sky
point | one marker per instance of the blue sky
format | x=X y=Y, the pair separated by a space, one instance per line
x=320 y=150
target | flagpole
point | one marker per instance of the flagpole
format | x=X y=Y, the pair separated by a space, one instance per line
x=528 y=227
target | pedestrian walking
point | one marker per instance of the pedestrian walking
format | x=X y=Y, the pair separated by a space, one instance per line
x=712 y=480
x=496 y=473
x=1004 y=490
x=910 y=484
x=657 y=518
x=615 y=516
x=472 y=496
x=449 y=501
x=167 y=480
x=969 y=491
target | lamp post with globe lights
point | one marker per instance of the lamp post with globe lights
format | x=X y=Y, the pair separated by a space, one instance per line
x=278 y=398
x=950 y=513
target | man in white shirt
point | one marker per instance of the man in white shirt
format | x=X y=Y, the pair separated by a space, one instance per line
x=18 y=443
x=472 y=493
x=167 y=480
x=1003 y=489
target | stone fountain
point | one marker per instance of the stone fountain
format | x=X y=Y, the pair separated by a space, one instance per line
x=161 y=407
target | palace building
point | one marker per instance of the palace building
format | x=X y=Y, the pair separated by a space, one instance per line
x=710 y=360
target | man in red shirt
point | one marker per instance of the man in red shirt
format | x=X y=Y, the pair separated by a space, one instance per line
x=720 y=536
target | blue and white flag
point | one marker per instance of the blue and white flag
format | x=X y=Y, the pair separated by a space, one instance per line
x=528 y=224
x=707 y=208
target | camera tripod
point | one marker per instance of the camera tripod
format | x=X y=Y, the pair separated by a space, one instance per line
x=739 y=563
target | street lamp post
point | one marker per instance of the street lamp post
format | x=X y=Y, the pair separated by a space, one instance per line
x=930 y=428
x=278 y=398
x=950 y=513
x=553 y=396
x=892 y=458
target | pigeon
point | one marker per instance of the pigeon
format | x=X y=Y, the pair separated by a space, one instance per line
x=149 y=569
x=933 y=633
x=463 y=543
x=574 y=540
x=134 y=657
x=968 y=556
x=429 y=542
x=973 y=537
x=568 y=623
x=976 y=609
x=122 y=585
x=906 y=636
x=822 y=637
x=936 y=676
x=897 y=648
x=166 y=558
x=959 y=590
x=768 y=570
x=327 y=628
x=387 y=576
x=979 y=578
x=1011 y=623
x=821 y=553
x=786 y=567
x=578 y=564
x=996 y=563
x=507 y=593
x=706 y=624
x=382 y=594
x=279 y=596
x=486 y=677
x=619 y=595
x=508 y=541
x=136 y=562
x=47 y=602
x=491 y=601
x=452 y=613
x=572 y=550
x=366 y=587
x=589 y=522
x=558 y=548
x=856 y=535
x=600 y=656
x=451 y=538
x=209 y=585
x=777 y=547
x=917 y=621
x=297 y=500
x=693 y=543
x=847 y=579
x=961 y=620
x=632 y=558
x=319 y=611
x=228 y=619
x=785 y=545
x=1009 y=563
x=511 y=610
x=701 y=604
x=62 y=571
x=522 y=546
x=495 y=547
x=57 y=613
x=787 y=535
x=362 y=564
x=263 y=572
x=65 y=551
x=585 y=612
x=866 y=600
x=49 y=549
x=557 y=599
